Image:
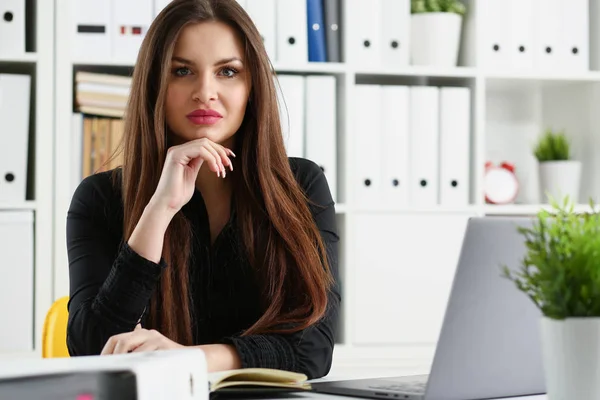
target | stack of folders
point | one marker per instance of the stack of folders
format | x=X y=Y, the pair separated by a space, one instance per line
x=98 y=124
x=411 y=145
x=308 y=112
x=297 y=31
x=15 y=97
x=294 y=31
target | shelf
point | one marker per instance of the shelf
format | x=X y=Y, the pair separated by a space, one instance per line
x=23 y=205
x=417 y=71
x=23 y=58
x=566 y=76
x=312 y=67
x=469 y=209
x=526 y=209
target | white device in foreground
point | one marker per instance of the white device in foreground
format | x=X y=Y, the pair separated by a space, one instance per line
x=163 y=374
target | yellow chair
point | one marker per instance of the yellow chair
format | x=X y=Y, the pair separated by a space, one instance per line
x=54 y=333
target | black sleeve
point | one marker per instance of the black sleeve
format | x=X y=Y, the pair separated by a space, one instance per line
x=309 y=351
x=110 y=284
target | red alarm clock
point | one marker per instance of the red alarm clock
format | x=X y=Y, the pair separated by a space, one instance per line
x=500 y=184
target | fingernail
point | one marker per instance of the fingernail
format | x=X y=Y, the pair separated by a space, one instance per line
x=231 y=166
x=232 y=153
x=219 y=173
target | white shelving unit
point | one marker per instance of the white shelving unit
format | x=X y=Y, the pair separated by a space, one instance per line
x=397 y=262
x=38 y=62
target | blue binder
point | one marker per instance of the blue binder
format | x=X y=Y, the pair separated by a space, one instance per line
x=316 y=31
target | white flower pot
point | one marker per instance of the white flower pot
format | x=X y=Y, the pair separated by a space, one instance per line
x=571 y=354
x=435 y=39
x=559 y=179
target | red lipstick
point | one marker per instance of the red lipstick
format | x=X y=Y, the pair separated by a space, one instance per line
x=204 y=117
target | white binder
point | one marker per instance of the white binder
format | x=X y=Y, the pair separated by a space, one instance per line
x=91 y=30
x=12 y=28
x=292 y=32
x=290 y=99
x=16 y=285
x=131 y=20
x=394 y=152
x=14 y=136
x=455 y=127
x=574 y=35
x=424 y=141
x=263 y=14
x=395 y=31
x=364 y=32
x=159 y=5
x=495 y=34
x=547 y=41
x=321 y=127
x=366 y=145
x=521 y=44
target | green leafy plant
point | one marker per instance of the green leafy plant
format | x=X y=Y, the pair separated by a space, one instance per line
x=552 y=146
x=561 y=269
x=427 y=6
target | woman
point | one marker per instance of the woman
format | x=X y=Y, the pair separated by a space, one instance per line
x=209 y=235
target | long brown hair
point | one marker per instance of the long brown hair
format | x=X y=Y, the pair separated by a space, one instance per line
x=280 y=236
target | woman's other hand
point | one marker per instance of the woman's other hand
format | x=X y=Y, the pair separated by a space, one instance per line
x=138 y=340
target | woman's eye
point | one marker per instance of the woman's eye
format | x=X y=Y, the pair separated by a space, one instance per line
x=228 y=72
x=182 y=71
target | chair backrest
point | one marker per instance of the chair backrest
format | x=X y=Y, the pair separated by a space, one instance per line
x=54 y=333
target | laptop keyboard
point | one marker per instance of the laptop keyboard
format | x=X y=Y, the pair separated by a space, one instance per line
x=405 y=387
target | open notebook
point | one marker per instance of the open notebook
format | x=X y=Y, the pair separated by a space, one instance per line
x=257 y=380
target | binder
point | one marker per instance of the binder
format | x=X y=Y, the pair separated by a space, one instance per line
x=12 y=28
x=424 y=141
x=495 y=34
x=14 y=136
x=455 y=127
x=395 y=31
x=292 y=33
x=92 y=30
x=395 y=145
x=16 y=287
x=321 y=126
x=263 y=14
x=159 y=5
x=131 y=20
x=547 y=42
x=290 y=99
x=575 y=35
x=521 y=44
x=331 y=10
x=366 y=139
x=316 y=31
x=364 y=32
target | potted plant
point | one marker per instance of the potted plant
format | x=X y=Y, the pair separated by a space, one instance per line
x=559 y=175
x=435 y=31
x=561 y=274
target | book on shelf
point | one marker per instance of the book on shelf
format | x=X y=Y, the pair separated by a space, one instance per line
x=98 y=139
x=101 y=94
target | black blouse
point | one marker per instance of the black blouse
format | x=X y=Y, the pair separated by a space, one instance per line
x=111 y=285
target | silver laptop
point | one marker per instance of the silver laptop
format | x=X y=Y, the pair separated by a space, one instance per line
x=489 y=344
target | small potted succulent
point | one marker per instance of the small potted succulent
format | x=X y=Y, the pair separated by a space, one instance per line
x=560 y=273
x=435 y=32
x=559 y=174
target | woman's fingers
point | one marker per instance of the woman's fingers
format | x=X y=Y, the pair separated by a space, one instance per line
x=214 y=154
